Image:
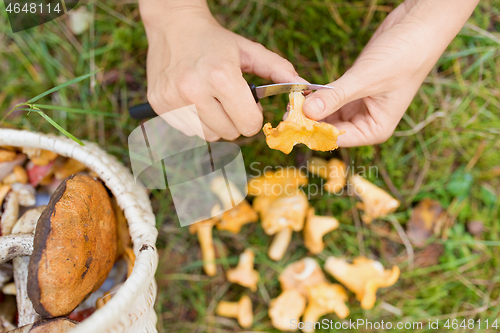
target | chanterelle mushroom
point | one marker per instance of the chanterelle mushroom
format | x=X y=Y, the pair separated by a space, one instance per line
x=336 y=179
x=314 y=230
x=363 y=277
x=74 y=246
x=203 y=230
x=241 y=310
x=318 y=166
x=297 y=128
x=10 y=213
x=376 y=202
x=39 y=156
x=273 y=183
x=244 y=274
x=286 y=308
x=301 y=274
x=324 y=298
x=285 y=214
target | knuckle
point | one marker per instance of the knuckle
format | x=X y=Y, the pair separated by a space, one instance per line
x=231 y=136
x=187 y=87
x=335 y=96
x=220 y=76
x=287 y=65
x=211 y=137
x=253 y=127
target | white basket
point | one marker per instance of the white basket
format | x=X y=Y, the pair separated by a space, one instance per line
x=131 y=308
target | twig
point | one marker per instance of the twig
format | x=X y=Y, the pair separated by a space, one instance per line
x=406 y=241
x=418 y=127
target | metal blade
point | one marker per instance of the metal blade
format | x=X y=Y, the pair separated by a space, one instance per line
x=284 y=88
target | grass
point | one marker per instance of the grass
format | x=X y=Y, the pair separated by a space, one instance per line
x=454 y=158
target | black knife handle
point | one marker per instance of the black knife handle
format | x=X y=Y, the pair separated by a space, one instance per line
x=143 y=111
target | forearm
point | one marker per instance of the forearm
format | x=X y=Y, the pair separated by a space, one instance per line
x=164 y=13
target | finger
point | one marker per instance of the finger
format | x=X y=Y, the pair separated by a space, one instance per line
x=324 y=102
x=190 y=124
x=216 y=119
x=238 y=102
x=361 y=133
x=256 y=59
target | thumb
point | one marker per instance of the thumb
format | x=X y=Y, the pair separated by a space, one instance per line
x=256 y=59
x=324 y=102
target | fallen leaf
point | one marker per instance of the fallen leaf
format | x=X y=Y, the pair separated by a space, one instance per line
x=426 y=219
x=475 y=228
x=429 y=256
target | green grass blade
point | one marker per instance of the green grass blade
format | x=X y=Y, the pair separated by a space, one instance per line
x=59 y=128
x=73 y=110
x=65 y=84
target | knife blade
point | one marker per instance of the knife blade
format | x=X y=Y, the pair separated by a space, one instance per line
x=145 y=110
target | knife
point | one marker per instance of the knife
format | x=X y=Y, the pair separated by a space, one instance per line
x=145 y=110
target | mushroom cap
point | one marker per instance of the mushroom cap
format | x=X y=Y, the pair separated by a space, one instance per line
x=329 y=298
x=40 y=157
x=297 y=128
x=71 y=166
x=273 y=183
x=336 y=176
x=208 y=223
x=123 y=240
x=56 y=325
x=232 y=220
x=27 y=222
x=300 y=274
x=318 y=167
x=244 y=274
x=286 y=211
x=245 y=314
x=376 y=202
x=315 y=228
x=286 y=307
x=363 y=277
x=74 y=246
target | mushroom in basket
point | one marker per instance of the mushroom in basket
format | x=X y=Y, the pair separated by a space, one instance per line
x=297 y=128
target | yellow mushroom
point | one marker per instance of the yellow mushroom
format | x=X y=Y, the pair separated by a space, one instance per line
x=376 y=202
x=244 y=274
x=18 y=175
x=314 y=230
x=203 y=230
x=297 y=128
x=274 y=183
x=70 y=167
x=318 y=167
x=301 y=274
x=363 y=277
x=286 y=309
x=39 y=156
x=284 y=215
x=7 y=155
x=324 y=298
x=336 y=179
x=241 y=310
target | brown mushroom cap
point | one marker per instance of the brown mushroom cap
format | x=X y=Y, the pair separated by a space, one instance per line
x=56 y=325
x=74 y=246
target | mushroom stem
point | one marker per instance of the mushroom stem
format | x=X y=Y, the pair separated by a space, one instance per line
x=204 y=234
x=26 y=312
x=280 y=244
x=227 y=309
x=5 y=274
x=12 y=246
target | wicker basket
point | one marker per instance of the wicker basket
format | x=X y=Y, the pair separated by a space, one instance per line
x=131 y=308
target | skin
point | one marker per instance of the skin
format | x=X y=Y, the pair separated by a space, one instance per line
x=193 y=60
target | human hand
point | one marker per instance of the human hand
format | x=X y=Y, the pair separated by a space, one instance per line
x=370 y=99
x=193 y=60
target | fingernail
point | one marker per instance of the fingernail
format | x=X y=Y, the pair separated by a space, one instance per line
x=299 y=79
x=315 y=106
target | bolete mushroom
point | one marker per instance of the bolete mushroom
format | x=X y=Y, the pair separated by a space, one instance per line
x=301 y=274
x=315 y=228
x=297 y=128
x=26 y=224
x=324 y=298
x=375 y=201
x=241 y=310
x=203 y=230
x=287 y=308
x=273 y=183
x=26 y=194
x=244 y=274
x=55 y=325
x=284 y=215
x=363 y=277
x=336 y=179
x=74 y=246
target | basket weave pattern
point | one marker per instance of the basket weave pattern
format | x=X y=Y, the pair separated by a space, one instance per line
x=131 y=308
